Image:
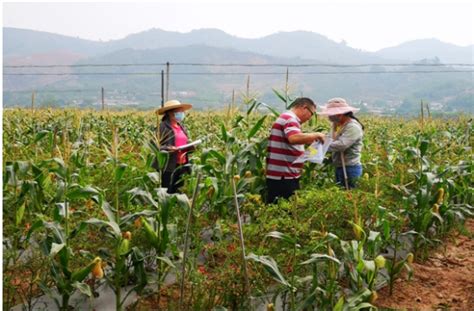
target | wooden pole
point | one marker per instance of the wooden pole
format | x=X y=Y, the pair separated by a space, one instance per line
x=233 y=99
x=33 y=101
x=167 y=80
x=286 y=89
x=162 y=88
x=231 y=105
x=248 y=86
x=103 y=99
x=422 y=114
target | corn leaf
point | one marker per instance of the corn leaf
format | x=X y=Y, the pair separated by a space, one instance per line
x=271 y=266
x=320 y=257
x=256 y=127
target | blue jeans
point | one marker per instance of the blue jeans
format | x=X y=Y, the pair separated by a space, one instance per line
x=353 y=173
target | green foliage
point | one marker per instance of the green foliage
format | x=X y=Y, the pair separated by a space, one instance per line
x=79 y=184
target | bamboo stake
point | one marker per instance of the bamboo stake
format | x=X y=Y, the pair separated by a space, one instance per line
x=346 y=182
x=185 y=252
x=241 y=237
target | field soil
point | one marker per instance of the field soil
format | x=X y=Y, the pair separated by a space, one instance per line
x=444 y=282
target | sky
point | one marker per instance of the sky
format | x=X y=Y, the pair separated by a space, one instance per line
x=365 y=25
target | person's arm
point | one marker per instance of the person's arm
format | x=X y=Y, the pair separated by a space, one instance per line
x=305 y=138
x=348 y=137
x=169 y=148
x=295 y=136
x=166 y=139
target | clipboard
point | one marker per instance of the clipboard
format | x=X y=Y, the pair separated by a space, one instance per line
x=191 y=144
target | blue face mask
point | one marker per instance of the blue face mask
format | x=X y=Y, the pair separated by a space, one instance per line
x=335 y=119
x=179 y=116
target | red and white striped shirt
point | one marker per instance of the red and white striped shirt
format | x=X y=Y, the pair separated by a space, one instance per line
x=280 y=153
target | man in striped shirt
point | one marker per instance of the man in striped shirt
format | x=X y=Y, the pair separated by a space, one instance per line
x=285 y=145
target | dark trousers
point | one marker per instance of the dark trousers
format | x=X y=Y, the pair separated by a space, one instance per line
x=281 y=188
x=174 y=180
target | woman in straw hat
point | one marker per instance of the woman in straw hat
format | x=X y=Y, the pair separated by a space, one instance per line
x=347 y=134
x=173 y=135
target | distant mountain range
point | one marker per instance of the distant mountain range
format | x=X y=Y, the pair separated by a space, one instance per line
x=22 y=47
x=303 y=44
x=429 y=48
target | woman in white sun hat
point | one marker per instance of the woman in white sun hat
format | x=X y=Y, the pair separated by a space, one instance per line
x=346 y=147
x=172 y=135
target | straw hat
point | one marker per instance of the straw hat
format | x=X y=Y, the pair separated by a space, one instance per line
x=173 y=104
x=337 y=106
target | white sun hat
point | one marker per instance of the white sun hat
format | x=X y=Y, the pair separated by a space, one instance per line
x=336 y=106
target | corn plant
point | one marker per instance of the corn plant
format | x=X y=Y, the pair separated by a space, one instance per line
x=123 y=257
x=157 y=233
x=362 y=261
x=420 y=209
x=57 y=241
x=361 y=300
x=244 y=158
x=19 y=253
x=271 y=267
x=324 y=290
x=126 y=260
x=321 y=294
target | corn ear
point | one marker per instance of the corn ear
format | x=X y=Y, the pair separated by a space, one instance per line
x=373 y=297
x=127 y=235
x=358 y=231
x=150 y=233
x=137 y=223
x=210 y=192
x=124 y=246
x=379 y=261
x=440 y=197
x=81 y=274
x=97 y=271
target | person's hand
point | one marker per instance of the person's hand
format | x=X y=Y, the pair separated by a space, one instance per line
x=319 y=137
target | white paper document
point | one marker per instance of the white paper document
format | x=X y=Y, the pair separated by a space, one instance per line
x=194 y=143
x=315 y=153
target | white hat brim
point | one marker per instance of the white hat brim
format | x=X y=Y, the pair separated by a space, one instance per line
x=336 y=110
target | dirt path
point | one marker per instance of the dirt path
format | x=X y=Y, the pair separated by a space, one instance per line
x=445 y=281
